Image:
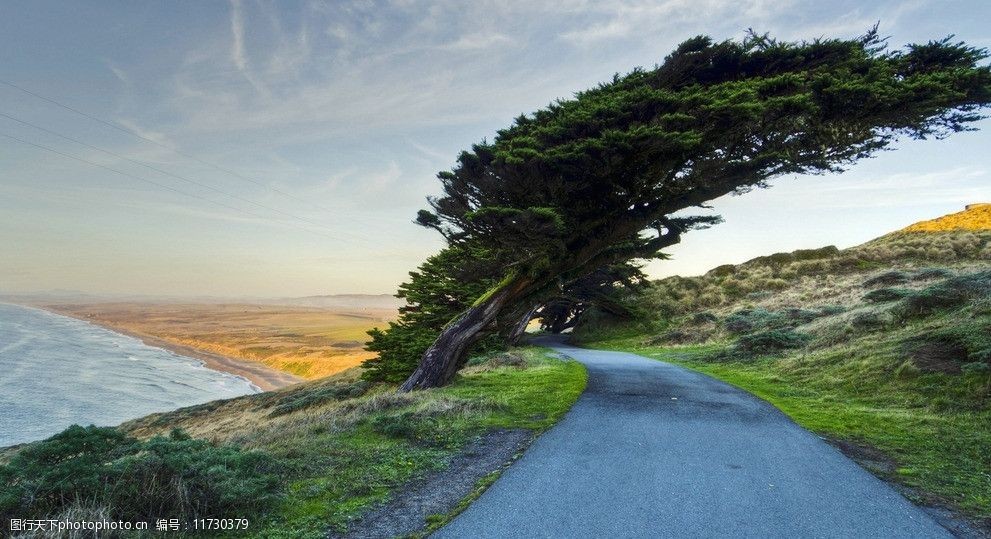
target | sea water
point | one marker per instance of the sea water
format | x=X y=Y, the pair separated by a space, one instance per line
x=57 y=371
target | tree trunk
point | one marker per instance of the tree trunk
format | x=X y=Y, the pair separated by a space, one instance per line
x=520 y=328
x=441 y=361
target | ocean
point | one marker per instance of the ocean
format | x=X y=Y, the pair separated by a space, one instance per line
x=57 y=371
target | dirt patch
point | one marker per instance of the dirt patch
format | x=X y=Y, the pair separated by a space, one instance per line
x=439 y=492
x=868 y=457
x=939 y=356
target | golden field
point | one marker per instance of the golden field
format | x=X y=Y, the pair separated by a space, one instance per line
x=975 y=217
x=307 y=342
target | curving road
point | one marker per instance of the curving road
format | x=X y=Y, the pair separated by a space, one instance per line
x=655 y=450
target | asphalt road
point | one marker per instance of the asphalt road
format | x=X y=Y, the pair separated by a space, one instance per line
x=654 y=450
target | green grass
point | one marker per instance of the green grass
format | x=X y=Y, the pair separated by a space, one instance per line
x=339 y=474
x=935 y=427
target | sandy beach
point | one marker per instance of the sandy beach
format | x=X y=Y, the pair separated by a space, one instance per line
x=258 y=374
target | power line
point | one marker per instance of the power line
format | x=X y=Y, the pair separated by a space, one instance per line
x=152 y=182
x=160 y=171
x=162 y=145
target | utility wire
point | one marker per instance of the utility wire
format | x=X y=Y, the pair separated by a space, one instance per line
x=165 y=172
x=162 y=145
x=152 y=182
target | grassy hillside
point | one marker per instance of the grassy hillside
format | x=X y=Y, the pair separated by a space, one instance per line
x=298 y=462
x=884 y=347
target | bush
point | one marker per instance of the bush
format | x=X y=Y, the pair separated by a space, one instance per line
x=748 y=320
x=801 y=316
x=174 y=477
x=831 y=310
x=887 y=278
x=722 y=271
x=769 y=342
x=406 y=425
x=871 y=320
x=704 y=317
x=828 y=251
x=301 y=400
x=884 y=295
x=948 y=294
x=929 y=274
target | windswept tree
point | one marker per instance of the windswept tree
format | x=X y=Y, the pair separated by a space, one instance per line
x=596 y=180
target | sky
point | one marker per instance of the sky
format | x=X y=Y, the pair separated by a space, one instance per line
x=273 y=149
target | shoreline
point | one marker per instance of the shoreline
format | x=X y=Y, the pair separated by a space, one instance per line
x=260 y=375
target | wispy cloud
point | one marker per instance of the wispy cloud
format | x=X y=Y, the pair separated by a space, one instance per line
x=631 y=20
x=237 y=32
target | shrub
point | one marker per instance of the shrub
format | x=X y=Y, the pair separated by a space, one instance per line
x=947 y=294
x=772 y=341
x=174 y=477
x=887 y=278
x=883 y=295
x=831 y=310
x=828 y=251
x=748 y=320
x=722 y=271
x=402 y=425
x=779 y=258
x=423 y=424
x=801 y=316
x=704 y=317
x=296 y=401
x=928 y=274
x=871 y=320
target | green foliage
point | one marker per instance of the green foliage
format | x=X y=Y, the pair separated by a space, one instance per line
x=871 y=320
x=295 y=401
x=884 y=295
x=443 y=286
x=770 y=342
x=947 y=294
x=704 y=317
x=929 y=274
x=749 y=320
x=405 y=424
x=173 y=477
